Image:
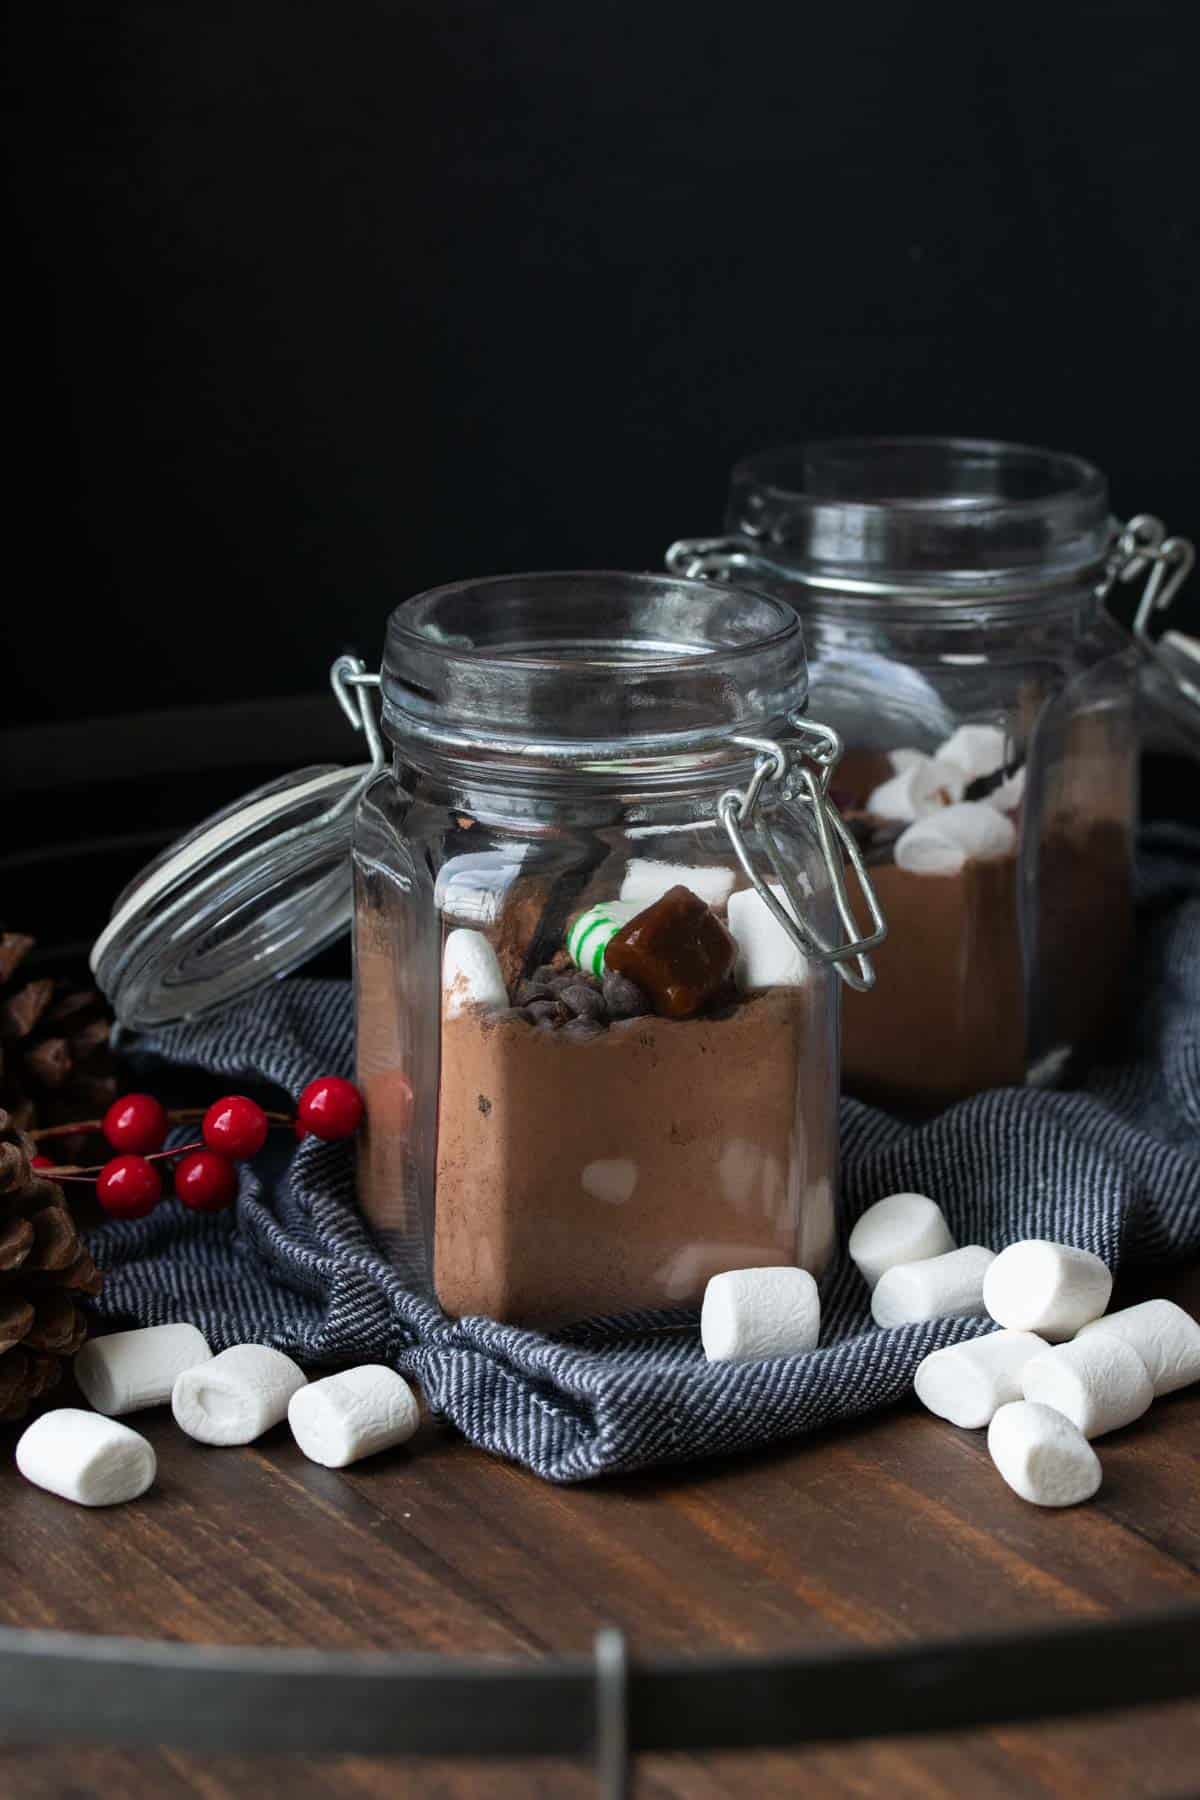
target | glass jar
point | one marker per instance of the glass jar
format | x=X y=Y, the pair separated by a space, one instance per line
x=952 y=596
x=582 y=760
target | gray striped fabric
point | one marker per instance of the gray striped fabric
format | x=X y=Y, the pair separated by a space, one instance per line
x=1113 y=1165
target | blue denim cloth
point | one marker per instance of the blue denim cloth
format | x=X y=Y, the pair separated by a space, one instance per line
x=1112 y=1164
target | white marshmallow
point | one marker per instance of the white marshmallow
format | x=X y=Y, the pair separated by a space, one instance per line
x=356 y=1413
x=905 y=759
x=1053 y=1289
x=646 y=881
x=759 y=1312
x=132 y=1369
x=940 y=1287
x=944 y=841
x=977 y=749
x=920 y=788
x=471 y=974
x=1100 y=1383
x=903 y=1228
x=1042 y=1456
x=767 y=957
x=85 y=1457
x=1165 y=1337
x=968 y=1383
x=1008 y=796
x=237 y=1396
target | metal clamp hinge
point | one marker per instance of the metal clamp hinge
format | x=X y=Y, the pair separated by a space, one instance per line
x=814 y=757
x=352 y=682
x=1143 y=545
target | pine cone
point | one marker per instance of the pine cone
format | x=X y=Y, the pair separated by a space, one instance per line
x=55 y=1061
x=44 y=1271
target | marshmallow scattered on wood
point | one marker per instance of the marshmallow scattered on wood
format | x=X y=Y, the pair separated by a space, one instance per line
x=968 y=1383
x=766 y=957
x=942 y=843
x=471 y=974
x=85 y=1457
x=646 y=881
x=129 y=1370
x=903 y=1228
x=1165 y=1337
x=940 y=1287
x=237 y=1396
x=356 y=1413
x=920 y=788
x=1053 y=1289
x=1043 y=1457
x=1099 y=1382
x=759 y=1312
x=977 y=749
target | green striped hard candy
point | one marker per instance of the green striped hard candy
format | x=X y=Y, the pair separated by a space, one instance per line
x=590 y=935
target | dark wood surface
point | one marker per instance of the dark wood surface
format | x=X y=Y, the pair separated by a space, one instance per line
x=894 y=1530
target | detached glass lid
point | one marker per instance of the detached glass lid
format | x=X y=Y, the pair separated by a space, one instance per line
x=247 y=896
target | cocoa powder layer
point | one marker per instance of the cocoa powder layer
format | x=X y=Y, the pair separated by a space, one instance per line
x=579 y=1179
x=946 y=1016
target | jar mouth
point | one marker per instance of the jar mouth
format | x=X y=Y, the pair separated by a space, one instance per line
x=588 y=665
x=924 y=512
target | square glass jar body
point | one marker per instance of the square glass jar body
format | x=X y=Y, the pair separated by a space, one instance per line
x=951 y=598
x=545 y=1149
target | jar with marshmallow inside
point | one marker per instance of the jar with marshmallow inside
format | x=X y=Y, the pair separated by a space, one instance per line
x=952 y=594
x=600 y=918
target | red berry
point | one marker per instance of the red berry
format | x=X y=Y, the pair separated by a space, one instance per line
x=235 y=1126
x=206 y=1181
x=128 y=1187
x=137 y=1123
x=330 y=1108
x=41 y=1162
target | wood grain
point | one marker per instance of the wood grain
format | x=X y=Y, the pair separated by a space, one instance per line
x=892 y=1530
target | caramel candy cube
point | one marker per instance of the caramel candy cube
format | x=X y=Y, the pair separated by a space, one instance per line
x=677 y=951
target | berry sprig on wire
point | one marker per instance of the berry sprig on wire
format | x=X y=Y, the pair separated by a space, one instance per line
x=232 y=1130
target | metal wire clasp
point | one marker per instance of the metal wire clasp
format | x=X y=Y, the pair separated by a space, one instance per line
x=813 y=757
x=352 y=682
x=1140 y=545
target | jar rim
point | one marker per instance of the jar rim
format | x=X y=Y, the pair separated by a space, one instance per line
x=587 y=666
x=937 y=514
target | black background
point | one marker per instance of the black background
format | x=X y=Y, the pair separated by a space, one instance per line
x=316 y=305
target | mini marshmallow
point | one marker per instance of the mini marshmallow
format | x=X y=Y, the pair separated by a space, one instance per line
x=1053 y=1289
x=1042 y=1456
x=85 y=1457
x=977 y=749
x=1165 y=1337
x=903 y=1228
x=920 y=788
x=968 y=1383
x=1100 y=1383
x=944 y=841
x=237 y=1396
x=759 y=1312
x=356 y=1413
x=132 y=1369
x=766 y=957
x=646 y=881
x=471 y=973
x=939 y=1287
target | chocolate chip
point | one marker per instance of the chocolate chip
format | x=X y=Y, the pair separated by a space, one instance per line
x=548 y=1013
x=624 y=998
x=510 y=1015
x=563 y=978
x=484 y=1104
x=545 y=975
x=528 y=991
x=584 y=1001
x=579 y=1030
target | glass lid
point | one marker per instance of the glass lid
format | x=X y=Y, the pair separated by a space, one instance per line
x=247 y=896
